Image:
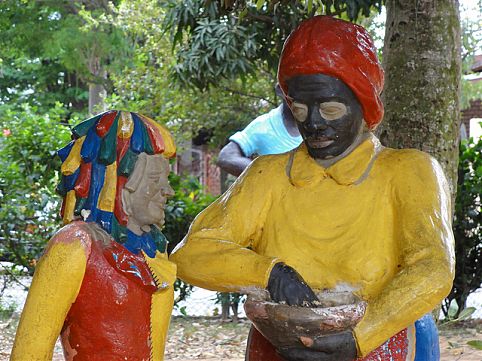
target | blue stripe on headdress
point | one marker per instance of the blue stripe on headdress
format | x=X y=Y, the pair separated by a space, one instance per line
x=105 y=220
x=69 y=180
x=96 y=184
x=64 y=152
x=137 y=138
x=91 y=146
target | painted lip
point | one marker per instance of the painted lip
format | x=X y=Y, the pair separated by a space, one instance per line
x=320 y=142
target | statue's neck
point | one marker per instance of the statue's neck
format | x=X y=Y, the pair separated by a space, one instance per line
x=137 y=229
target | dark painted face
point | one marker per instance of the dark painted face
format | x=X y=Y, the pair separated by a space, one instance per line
x=327 y=113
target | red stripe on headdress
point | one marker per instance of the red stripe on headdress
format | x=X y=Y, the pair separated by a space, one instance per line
x=118 y=208
x=155 y=136
x=105 y=123
x=82 y=184
x=122 y=147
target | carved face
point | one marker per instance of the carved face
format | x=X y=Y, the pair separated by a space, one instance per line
x=147 y=190
x=327 y=113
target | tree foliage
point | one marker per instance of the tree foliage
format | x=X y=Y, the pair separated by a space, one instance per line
x=49 y=50
x=144 y=84
x=467 y=225
x=231 y=39
x=28 y=175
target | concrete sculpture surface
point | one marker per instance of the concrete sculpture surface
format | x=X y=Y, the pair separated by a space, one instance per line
x=339 y=213
x=104 y=283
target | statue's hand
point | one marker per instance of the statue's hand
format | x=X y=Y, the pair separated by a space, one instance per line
x=285 y=285
x=337 y=347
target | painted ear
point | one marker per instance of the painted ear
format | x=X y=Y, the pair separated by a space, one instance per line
x=136 y=176
x=126 y=202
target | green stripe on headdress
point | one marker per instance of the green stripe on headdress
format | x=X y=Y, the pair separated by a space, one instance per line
x=79 y=205
x=118 y=232
x=107 y=154
x=159 y=238
x=60 y=189
x=81 y=129
x=126 y=165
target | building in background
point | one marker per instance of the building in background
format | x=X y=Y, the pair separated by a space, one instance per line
x=472 y=116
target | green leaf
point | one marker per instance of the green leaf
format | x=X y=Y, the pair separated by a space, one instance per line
x=478 y=171
x=309 y=5
x=477 y=344
x=466 y=313
x=453 y=308
x=259 y=4
x=243 y=13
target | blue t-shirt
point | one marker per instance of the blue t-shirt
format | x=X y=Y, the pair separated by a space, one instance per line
x=266 y=135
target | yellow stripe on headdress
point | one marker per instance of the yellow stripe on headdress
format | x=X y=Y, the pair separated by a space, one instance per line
x=69 y=207
x=107 y=194
x=126 y=125
x=170 y=145
x=72 y=163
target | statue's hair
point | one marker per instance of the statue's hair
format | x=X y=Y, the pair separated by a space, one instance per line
x=97 y=163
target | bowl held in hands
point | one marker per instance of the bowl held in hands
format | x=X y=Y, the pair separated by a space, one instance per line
x=283 y=325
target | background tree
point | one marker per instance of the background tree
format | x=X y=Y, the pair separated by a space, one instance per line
x=421 y=58
x=55 y=50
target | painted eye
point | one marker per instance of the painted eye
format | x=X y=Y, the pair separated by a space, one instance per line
x=300 y=111
x=332 y=110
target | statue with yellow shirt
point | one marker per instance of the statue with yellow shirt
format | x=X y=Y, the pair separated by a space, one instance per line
x=340 y=212
x=104 y=283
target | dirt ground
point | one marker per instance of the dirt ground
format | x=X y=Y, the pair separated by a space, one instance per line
x=212 y=340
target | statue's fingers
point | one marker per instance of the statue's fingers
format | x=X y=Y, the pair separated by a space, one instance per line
x=298 y=354
x=341 y=343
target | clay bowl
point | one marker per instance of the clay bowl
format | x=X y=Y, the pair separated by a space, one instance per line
x=283 y=325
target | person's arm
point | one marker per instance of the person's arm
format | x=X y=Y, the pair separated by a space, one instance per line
x=426 y=254
x=219 y=252
x=55 y=286
x=232 y=159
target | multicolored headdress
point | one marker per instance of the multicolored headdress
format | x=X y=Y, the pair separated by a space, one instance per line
x=98 y=161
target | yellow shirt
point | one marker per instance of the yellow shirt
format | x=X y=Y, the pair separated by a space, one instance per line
x=377 y=221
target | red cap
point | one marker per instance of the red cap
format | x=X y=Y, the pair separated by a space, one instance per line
x=325 y=45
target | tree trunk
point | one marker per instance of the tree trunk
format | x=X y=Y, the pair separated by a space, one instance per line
x=421 y=59
x=96 y=89
x=225 y=310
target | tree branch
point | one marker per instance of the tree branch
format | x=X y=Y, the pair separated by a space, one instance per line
x=248 y=95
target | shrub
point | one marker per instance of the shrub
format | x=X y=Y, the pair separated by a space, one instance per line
x=467 y=226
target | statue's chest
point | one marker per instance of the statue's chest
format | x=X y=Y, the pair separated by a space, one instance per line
x=330 y=209
x=113 y=304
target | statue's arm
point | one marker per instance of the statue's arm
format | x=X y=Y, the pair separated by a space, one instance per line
x=232 y=159
x=55 y=285
x=219 y=252
x=426 y=254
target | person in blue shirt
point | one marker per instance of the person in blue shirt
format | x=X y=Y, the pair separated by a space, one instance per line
x=272 y=133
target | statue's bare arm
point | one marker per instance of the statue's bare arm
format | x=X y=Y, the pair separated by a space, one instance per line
x=232 y=159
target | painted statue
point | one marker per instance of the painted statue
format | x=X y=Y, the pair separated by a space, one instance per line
x=104 y=283
x=340 y=212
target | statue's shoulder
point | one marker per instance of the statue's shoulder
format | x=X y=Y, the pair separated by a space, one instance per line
x=76 y=234
x=269 y=164
x=409 y=162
